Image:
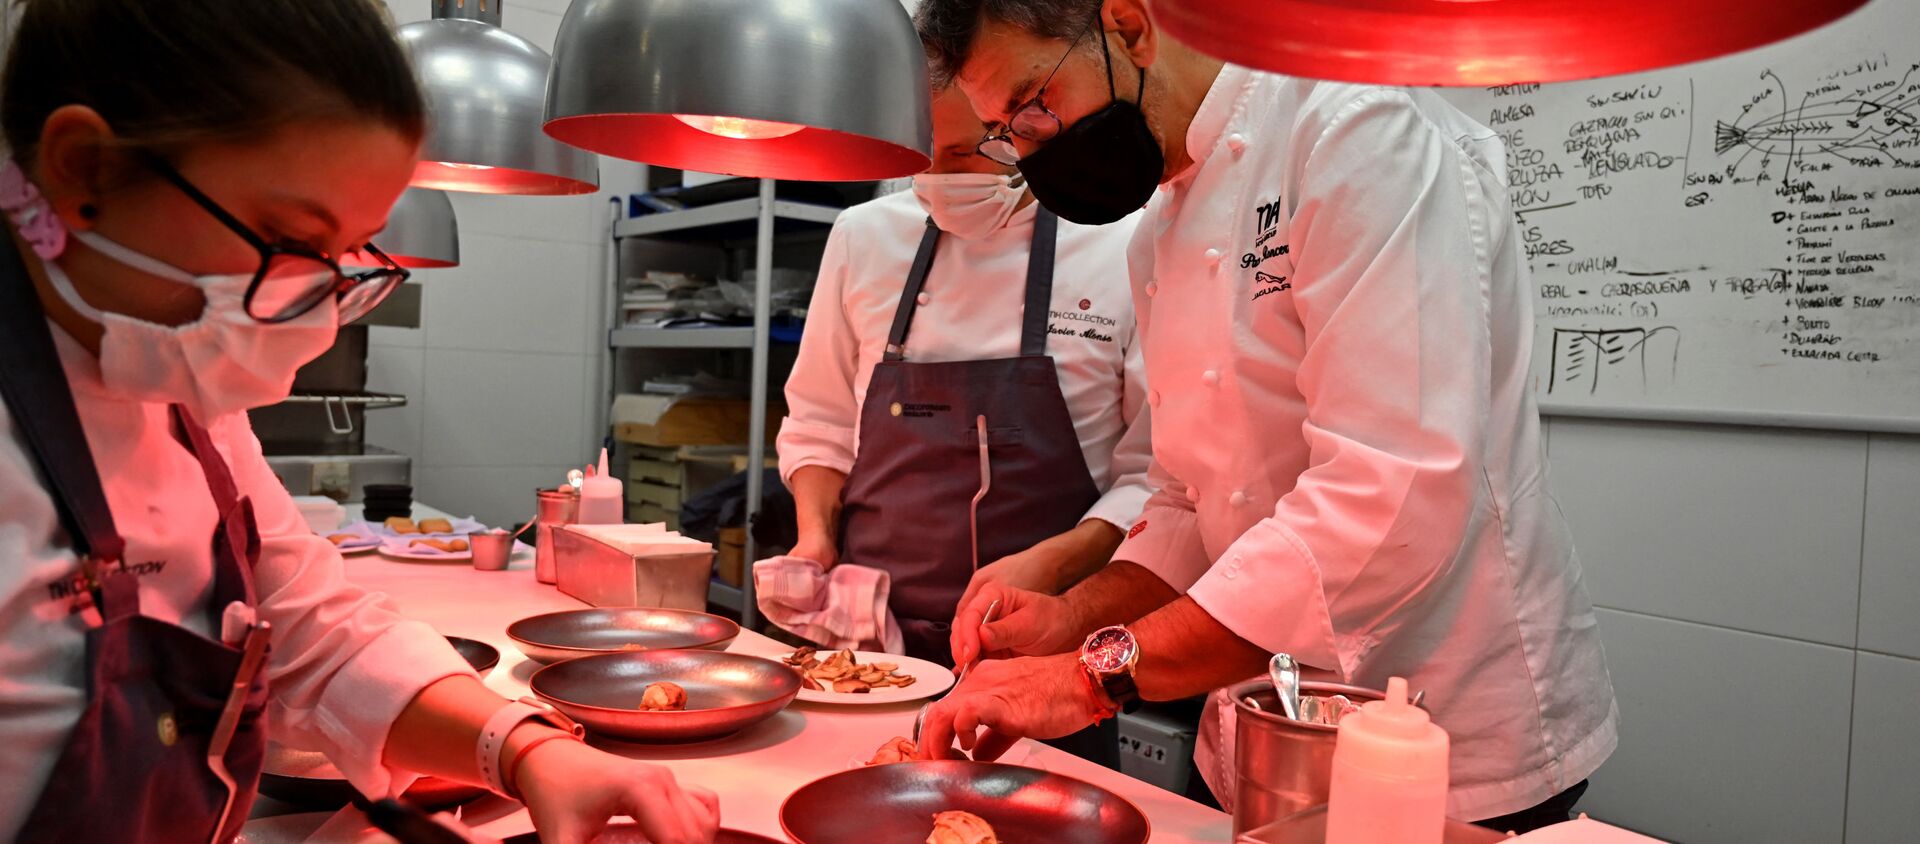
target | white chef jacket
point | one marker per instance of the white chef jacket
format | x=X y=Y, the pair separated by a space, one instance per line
x=1347 y=459
x=343 y=663
x=970 y=309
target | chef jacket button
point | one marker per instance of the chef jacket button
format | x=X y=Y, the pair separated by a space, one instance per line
x=1237 y=143
x=1152 y=288
x=1153 y=397
x=923 y=298
x=1237 y=499
x=1233 y=567
x=1210 y=377
x=1214 y=256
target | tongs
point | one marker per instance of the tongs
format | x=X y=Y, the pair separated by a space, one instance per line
x=973 y=529
x=253 y=653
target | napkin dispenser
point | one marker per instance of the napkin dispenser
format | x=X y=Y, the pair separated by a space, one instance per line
x=632 y=566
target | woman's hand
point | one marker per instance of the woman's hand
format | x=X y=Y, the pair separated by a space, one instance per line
x=572 y=790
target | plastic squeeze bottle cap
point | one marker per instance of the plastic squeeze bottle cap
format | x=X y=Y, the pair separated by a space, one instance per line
x=602 y=497
x=1389 y=783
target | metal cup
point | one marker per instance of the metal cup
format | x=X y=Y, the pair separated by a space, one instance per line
x=557 y=507
x=491 y=548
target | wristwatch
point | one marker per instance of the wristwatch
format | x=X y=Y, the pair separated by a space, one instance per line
x=1109 y=657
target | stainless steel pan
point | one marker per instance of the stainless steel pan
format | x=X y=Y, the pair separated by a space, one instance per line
x=896 y=803
x=556 y=636
x=726 y=693
x=621 y=833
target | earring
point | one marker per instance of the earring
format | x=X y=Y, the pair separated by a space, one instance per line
x=88 y=212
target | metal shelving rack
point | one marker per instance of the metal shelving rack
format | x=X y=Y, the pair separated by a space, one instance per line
x=764 y=218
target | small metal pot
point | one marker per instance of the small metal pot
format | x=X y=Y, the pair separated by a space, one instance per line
x=1282 y=766
x=556 y=508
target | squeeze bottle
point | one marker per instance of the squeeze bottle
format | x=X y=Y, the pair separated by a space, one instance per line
x=1389 y=781
x=602 y=497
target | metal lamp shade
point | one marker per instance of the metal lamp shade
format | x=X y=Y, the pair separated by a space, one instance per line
x=484 y=88
x=825 y=90
x=421 y=233
x=1482 y=42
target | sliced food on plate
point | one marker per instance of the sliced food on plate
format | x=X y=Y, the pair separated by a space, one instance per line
x=450 y=546
x=842 y=672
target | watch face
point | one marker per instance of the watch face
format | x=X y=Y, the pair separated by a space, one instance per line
x=1109 y=649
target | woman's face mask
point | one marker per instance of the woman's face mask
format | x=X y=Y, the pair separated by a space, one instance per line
x=969 y=206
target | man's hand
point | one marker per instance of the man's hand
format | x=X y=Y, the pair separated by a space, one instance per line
x=1027 y=624
x=1005 y=701
x=572 y=789
x=816 y=547
x=1033 y=570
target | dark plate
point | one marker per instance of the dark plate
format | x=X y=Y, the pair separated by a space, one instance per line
x=576 y=633
x=726 y=693
x=482 y=656
x=306 y=779
x=622 y=833
x=896 y=803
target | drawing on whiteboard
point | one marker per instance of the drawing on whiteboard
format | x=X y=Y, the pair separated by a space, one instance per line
x=1641 y=360
x=1869 y=123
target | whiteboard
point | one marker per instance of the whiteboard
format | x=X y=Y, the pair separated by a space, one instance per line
x=1734 y=241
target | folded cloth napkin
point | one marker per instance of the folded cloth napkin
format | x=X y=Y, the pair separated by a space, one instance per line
x=841 y=607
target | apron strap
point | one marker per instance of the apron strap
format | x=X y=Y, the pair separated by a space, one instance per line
x=1033 y=320
x=1034 y=314
x=37 y=394
x=232 y=570
x=910 y=297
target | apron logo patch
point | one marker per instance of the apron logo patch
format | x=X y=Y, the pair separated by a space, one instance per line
x=1137 y=528
x=1266 y=285
x=1085 y=304
x=919 y=411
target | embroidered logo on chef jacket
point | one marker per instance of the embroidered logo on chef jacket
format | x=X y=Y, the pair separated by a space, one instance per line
x=1083 y=324
x=1137 y=528
x=1267 y=285
x=76 y=592
x=1266 y=217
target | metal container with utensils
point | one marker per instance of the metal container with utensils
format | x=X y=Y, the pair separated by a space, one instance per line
x=576 y=633
x=557 y=507
x=726 y=693
x=897 y=802
x=1282 y=766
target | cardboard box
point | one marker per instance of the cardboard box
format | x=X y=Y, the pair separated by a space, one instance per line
x=732 y=563
x=676 y=420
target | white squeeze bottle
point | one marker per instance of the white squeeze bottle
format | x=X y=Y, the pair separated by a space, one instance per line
x=1389 y=775
x=602 y=497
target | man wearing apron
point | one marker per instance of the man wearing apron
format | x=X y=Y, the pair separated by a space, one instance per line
x=908 y=399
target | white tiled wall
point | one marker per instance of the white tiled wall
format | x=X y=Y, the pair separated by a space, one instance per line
x=500 y=376
x=1759 y=590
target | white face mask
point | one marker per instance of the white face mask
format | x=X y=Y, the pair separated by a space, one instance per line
x=969 y=206
x=223 y=362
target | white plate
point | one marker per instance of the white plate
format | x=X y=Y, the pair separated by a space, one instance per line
x=399 y=551
x=929 y=679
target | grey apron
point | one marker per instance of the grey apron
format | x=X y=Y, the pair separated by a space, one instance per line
x=906 y=505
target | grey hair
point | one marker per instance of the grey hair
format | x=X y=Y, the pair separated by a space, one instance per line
x=948 y=27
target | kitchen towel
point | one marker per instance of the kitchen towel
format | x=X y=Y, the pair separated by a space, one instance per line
x=841 y=607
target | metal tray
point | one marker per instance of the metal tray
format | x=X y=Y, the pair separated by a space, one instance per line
x=897 y=803
x=726 y=693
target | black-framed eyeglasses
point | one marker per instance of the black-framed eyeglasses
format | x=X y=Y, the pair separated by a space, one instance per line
x=1031 y=120
x=292 y=279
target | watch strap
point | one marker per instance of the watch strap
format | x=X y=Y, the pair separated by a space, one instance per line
x=493 y=736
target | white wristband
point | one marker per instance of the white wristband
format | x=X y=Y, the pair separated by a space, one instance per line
x=493 y=736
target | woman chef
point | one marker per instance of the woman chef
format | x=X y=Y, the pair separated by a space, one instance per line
x=961 y=301
x=181 y=179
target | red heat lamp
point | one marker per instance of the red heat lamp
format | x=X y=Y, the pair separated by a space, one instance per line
x=1482 y=42
x=824 y=90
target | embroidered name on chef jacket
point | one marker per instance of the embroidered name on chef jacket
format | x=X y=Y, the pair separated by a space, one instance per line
x=1266 y=218
x=75 y=592
x=1083 y=324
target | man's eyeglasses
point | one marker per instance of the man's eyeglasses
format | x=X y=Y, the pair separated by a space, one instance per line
x=1031 y=120
x=293 y=280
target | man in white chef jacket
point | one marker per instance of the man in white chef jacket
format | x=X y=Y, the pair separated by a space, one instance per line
x=1336 y=320
x=857 y=499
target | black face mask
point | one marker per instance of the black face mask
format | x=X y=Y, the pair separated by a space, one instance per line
x=1103 y=167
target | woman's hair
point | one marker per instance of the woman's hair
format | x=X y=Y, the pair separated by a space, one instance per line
x=168 y=73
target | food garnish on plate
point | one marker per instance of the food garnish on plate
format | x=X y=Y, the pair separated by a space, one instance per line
x=843 y=673
x=961 y=828
x=450 y=546
x=663 y=697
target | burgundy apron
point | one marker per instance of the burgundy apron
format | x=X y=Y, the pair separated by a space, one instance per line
x=917 y=469
x=163 y=703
